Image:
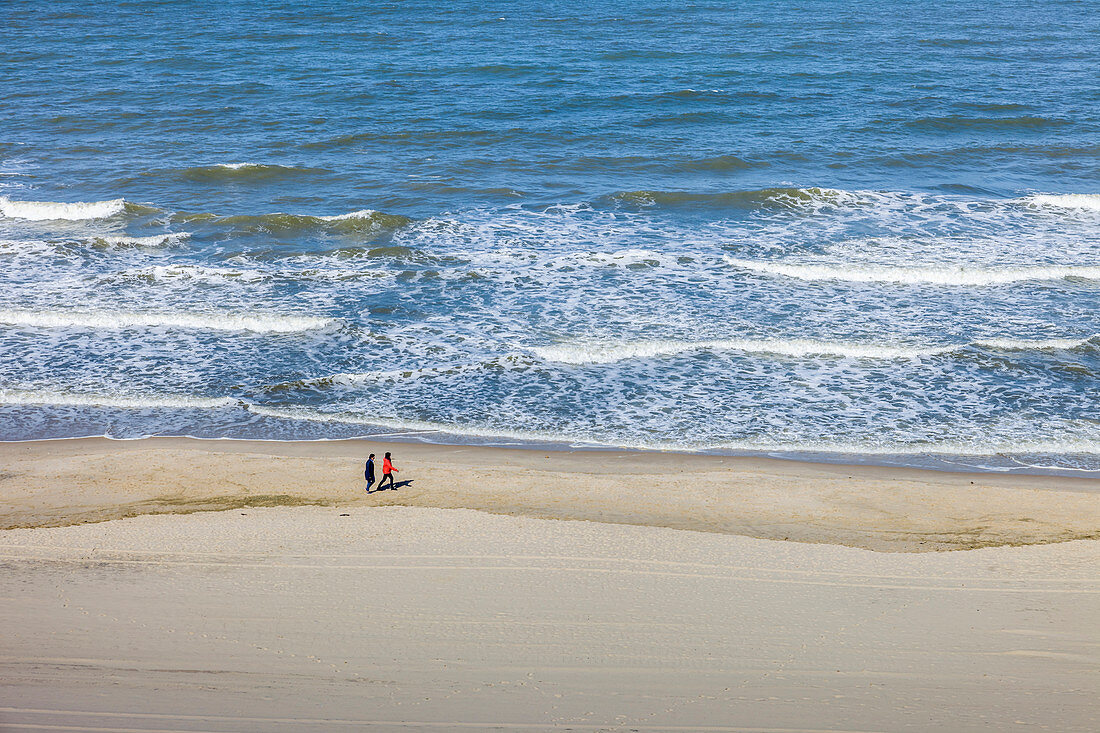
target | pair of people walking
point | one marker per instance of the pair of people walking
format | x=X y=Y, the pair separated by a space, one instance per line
x=387 y=472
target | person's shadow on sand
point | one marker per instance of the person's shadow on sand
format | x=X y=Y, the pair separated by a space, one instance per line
x=397 y=485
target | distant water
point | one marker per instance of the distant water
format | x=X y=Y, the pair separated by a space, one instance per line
x=865 y=231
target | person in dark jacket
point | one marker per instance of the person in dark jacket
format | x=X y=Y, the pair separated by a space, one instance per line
x=369 y=473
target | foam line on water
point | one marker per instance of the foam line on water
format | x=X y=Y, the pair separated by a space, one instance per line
x=155 y=273
x=353 y=379
x=1008 y=344
x=214 y=321
x=49 y=397
x=52 y=210
x=605 y=353
x=476 y=431
x=1073 y=445
x=931 y=275
x=593 y=352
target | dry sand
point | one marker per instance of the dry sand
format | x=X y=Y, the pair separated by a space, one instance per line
x=55 y=483
x=351 y=615
x=391 y=619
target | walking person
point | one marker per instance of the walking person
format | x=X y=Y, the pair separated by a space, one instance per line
x=387 y=472
x=368 y=474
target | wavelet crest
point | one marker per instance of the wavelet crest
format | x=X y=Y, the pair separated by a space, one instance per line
x=931 y=275
x=242 y=172
x=355 y=222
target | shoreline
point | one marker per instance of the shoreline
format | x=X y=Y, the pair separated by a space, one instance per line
x=80 y=480
x=931 y=461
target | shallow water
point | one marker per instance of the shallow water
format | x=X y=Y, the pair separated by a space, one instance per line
x=868 y=232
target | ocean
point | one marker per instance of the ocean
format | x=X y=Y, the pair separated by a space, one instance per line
x=851 y=231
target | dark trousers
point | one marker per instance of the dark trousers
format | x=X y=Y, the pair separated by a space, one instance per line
x=383 y=481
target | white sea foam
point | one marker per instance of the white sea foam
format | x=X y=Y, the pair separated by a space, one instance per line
x=215 y=321
x=46 y=210
x=605 y=353
x=238 y=166
x=50 y=397
x=185 y=272
x=1070 y=445
x=1075 y=441
x=361 y=214
x=155 y=240
x=477 y=431
x=352 y=379
x=932 y=275
x=620 y=258
x=1087 y=201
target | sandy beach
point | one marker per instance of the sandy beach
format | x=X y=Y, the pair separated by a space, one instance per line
x=179 y=585
x=396 y=618
x=54 y=483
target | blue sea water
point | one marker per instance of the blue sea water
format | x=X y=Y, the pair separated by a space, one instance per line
x=865 y=231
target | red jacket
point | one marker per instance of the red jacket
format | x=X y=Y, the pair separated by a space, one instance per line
x=387 y=467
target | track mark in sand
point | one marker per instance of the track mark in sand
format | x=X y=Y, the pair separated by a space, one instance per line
x=92 y=729
x=1042 y=654
x=553 y=568
x=388 y=723
x=506 y=558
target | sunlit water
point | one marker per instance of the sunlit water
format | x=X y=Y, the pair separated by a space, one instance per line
x=868 y=232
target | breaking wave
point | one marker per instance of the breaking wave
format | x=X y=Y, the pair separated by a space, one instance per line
x=1086 y=201
x=929 y=275
x=52 y=210
x=153 y=241
x=125 y=320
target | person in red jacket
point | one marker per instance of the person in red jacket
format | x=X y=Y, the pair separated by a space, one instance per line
x=387 y=473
